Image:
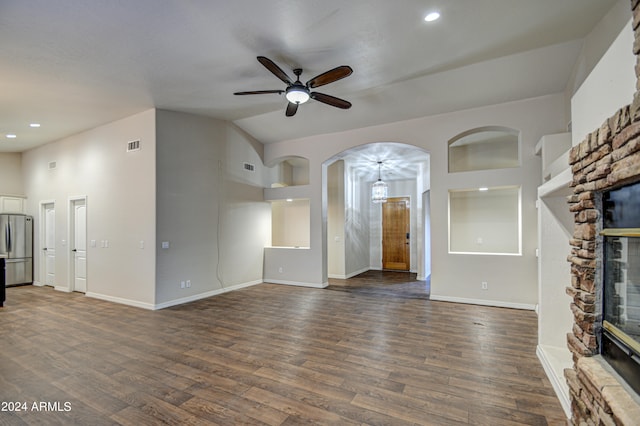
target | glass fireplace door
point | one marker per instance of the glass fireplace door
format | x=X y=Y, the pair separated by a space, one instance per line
x=622 y=287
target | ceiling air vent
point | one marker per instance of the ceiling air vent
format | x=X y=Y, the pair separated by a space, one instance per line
x=249 y=167
x=133 y=145
x=52 y=165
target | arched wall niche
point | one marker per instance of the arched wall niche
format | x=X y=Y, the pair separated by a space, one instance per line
x=289 y=171
x=484 y=148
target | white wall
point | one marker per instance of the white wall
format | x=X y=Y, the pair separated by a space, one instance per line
x=454 y=277
x=11 y=173
x=209 y=209
x=594 y=46
x=608 y=87
x=120 y=190
x=357 y=242
x=335 y=220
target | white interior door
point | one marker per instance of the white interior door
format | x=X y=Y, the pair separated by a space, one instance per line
x=49 y=246
x=79 y=249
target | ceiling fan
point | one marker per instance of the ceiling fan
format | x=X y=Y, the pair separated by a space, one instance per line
x=298 y=93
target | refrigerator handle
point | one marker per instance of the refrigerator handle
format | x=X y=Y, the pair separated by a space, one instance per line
x=8 y=237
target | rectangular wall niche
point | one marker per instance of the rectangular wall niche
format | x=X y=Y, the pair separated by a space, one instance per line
x=485 y=221
x=290 y=223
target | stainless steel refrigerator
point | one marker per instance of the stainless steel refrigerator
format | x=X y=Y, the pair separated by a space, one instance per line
x=16 y=243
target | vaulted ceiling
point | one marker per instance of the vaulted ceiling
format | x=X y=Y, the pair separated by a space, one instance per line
x=71 y=65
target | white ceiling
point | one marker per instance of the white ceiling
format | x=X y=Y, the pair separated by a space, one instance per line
x=74 y=64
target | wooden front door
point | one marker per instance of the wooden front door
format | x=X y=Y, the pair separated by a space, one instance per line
x=395 y=234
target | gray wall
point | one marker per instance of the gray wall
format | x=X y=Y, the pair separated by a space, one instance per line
x=11 y=173
x=209 y=209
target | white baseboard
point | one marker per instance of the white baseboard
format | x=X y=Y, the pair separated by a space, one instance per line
x=297 y=283
x=496 y=303
x=556 y=378
x=347 y=276
x=63 y=289
x=120 y=300
x=38 y=284
x=204 y=295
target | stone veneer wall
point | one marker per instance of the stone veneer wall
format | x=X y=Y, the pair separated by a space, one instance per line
x=609 y=157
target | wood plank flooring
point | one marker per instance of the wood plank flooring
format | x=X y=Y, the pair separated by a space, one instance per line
x=370 y=350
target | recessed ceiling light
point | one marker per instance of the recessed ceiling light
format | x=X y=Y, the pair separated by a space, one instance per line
x=34 y=125
x=484 y=188
x=432 y=17
x=11 y=136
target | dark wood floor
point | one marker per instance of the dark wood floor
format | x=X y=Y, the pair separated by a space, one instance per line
x=275 y=355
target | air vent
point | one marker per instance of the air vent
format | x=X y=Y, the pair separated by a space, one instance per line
x=133 y=145
x=52 y=165
x=249 y=167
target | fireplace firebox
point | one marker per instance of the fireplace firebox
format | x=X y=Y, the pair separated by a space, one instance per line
x=620 y=336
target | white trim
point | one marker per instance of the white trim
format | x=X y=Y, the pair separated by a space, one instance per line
x=70 y=257
x=42 y=261
x=496 y=303
x=419 y=278
x=361 y=271
x=38 y=284
x=559 y=384
x=169 y=303
x=120 y=300
x=62 y=289
x=351 y=275
x=204 y=295
x=297 y=283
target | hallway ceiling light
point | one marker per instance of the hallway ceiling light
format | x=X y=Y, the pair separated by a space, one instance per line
x=379 y=189
x=11 y=136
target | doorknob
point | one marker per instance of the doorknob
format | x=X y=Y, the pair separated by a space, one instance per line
x=74 y=250
x=45 y=249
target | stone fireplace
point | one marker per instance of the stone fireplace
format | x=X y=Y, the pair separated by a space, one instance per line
x=608 y=158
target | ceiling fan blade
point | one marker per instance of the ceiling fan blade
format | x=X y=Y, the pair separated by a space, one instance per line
x=260 y=92
x=330 y=76
x=275 y=70
x=330 y=100
x=291 y=109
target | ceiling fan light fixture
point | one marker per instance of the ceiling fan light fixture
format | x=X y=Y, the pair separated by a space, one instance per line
x=297 y=94
x=433 y=16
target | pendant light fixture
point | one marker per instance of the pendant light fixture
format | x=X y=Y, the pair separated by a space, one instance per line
x=379 y=189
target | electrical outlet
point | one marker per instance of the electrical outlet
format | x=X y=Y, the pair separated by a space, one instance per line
x=485 y=285
x=280 y=269
x=181 y=284
x=188 y=283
